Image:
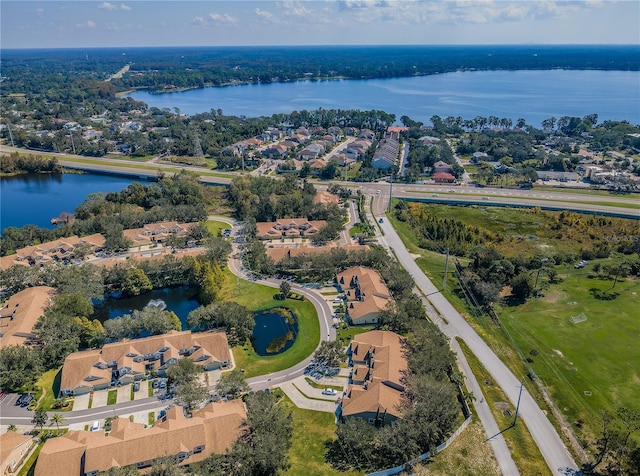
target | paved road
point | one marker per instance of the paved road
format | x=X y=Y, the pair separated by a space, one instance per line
x=544 y=434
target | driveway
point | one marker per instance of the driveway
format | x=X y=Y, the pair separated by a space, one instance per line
x=81 y=402
x=100 y=398
x=124 y=394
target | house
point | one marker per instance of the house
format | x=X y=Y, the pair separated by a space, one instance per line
x=441 y=166
x=279 y=253
x=478 y=157
x=157 y=232
x=128 y=361
x=429 y=140
x=443 y=177
x=366 y=293
x=325 y=198
x=288 y=228
x=386 y=152
x=375 y=389
x=14 y=449
x=21 y=312
x=212 y=429
x=52 y=251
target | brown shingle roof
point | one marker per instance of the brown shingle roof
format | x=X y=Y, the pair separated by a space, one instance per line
x=80 y=365
x=20 y=314
x=215 y=428
x=373 y=297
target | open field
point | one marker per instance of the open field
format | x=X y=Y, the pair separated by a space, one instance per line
x=598 y=356
x=590 y=366
x=257 y=297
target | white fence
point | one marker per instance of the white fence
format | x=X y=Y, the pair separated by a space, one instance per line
x=409 y=464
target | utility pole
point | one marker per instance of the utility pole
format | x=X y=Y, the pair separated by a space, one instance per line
x=515 y=420
x=446 y=267
x=10 y=135
x=73 y=145
x=542 y=262
x=390 y=191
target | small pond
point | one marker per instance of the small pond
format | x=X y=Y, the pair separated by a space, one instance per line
x=181 y=300
x=275 y=331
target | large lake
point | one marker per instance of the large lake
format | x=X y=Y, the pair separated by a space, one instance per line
x=532 y=95
x=34 y=199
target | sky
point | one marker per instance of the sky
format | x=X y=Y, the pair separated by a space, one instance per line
x=81 y=23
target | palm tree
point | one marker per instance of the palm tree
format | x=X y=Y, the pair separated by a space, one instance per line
x=12 y=427
x=56 y=418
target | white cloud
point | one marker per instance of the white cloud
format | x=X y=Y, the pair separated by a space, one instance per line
x=266 y=16
x=221 y=19
x=39 y=11
x=111 y=6
x=293 y=8
x=87 y=24
x=197 y=20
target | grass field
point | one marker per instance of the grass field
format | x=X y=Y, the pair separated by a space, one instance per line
x=599 y=355
x=590 y=366
x=257 y=297
x=215 y=227
x=49 y=387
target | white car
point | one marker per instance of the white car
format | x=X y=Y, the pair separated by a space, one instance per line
x=95 y=426
x=329 y=391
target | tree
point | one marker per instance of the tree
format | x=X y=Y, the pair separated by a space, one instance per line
x=285 y=289
x=39 y=418
x=12 y=427
x=232 y=384
x=135 y=282
x=20 y=366
x=355 y=446
x=56 y=418
x=186 y=384
x=236 y=319
x=522 y=286
x=330 y=354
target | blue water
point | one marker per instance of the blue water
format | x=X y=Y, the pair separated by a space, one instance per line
x=532 y=95
x=270 y=326
x=37 y=198
x=181 y=301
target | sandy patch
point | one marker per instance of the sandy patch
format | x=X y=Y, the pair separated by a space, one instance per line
x=559 y=353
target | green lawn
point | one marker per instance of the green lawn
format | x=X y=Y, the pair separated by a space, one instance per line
x=216 y=227
x=49 y=385
x=258 y=297
x=112 y=397
x=311 y=432
x=590 y=366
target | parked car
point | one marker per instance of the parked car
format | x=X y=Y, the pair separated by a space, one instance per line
x=329 y=391
x=380 y=220
x=95 y=426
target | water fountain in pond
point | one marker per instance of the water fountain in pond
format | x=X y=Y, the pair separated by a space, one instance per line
x=159 y=303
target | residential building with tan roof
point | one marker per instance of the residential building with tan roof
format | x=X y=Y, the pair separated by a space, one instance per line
x=21 y=312
x=366 y=294
x=288 y=228
x=14 y=448
x=278 y=253
x=212 y=429
x=52 y=251
x=325 y=198
x=157 y=232
x=376 y=384
x=129 y=361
